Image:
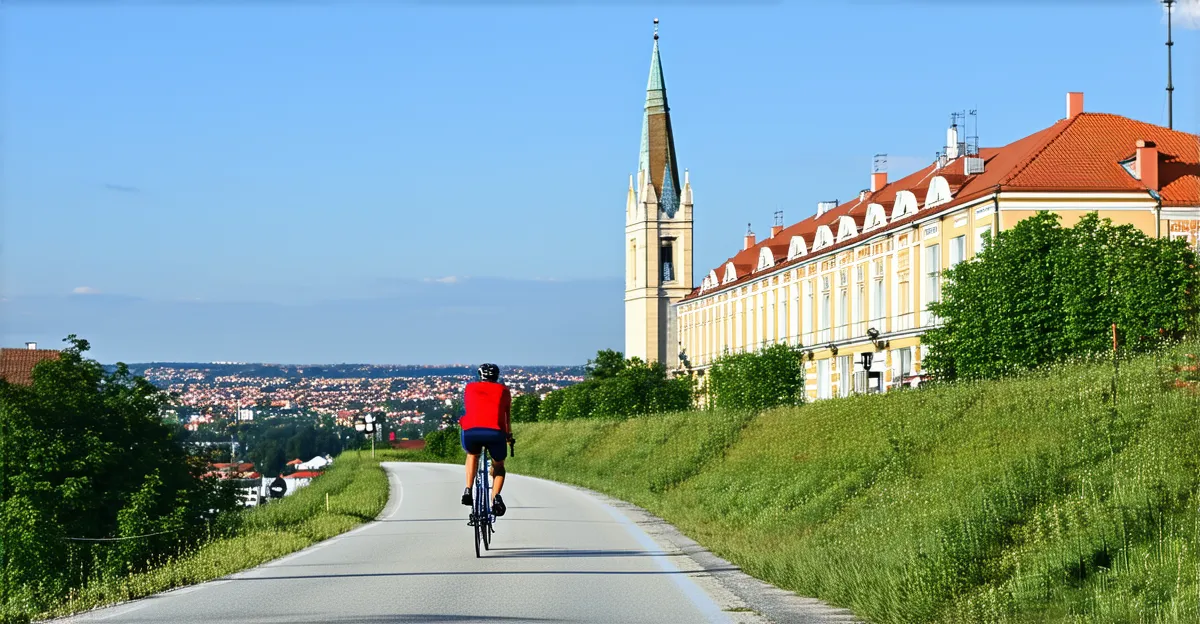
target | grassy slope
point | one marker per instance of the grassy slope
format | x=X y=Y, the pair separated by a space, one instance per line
x=1024 y=500
x=358 y=491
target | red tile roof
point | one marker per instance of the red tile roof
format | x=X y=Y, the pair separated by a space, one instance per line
x=1083 y=153
x=303 y=474
x=16 y=365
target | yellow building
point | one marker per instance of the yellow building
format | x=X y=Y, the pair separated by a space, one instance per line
x=858 y=277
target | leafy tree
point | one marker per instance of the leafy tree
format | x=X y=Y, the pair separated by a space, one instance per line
x=758 y=380
x=87 y=455
x=1041 y=292
x=606 y=365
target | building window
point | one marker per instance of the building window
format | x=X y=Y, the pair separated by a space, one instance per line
x=982 y=236
x=825 y=316
x=933 y=269
x=823 y=382
x=877 y=300
x=633 y=263
x=860 y=304
x=905 y=363
x=958 y=250
x=845 y=375
x=667 y=258
x=843 y=314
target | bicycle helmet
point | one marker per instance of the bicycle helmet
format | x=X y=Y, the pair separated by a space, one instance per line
x=489 y=372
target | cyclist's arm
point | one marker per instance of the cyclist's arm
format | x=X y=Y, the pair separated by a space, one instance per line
x=505 y=409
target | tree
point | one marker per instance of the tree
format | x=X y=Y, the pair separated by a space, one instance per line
x=97 y=461
x=1041 y=292
x=606 y=365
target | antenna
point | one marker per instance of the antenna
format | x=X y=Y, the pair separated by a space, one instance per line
x=1170 y=44
x=973 y=137
x=880 y=165
x=778 y=217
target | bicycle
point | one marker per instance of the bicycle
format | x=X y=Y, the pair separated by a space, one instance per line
x=482 y=518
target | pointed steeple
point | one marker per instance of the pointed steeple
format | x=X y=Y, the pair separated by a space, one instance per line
x=657 y=157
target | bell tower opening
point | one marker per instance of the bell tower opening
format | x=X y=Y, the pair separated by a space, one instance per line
x=666 y=258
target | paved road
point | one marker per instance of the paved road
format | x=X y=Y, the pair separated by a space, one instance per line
x=560 y=555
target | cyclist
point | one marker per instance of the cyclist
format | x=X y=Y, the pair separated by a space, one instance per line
x=485 y=423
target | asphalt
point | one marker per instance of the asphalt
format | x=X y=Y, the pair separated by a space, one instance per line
x=560 y=554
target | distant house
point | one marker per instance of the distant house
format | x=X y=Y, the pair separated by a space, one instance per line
x=414 y=445
x=316 y=463
x=16 y=365
x=299 y=479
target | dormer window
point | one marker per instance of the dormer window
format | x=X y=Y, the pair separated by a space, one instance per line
x=824 y=237
x=797 y=247
x=766 y=259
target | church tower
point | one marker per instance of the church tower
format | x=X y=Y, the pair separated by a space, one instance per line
x=658 y=233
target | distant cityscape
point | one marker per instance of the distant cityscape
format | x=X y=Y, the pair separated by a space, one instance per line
x=204 y=393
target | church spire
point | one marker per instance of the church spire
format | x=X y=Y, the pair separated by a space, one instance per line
x=657 y=158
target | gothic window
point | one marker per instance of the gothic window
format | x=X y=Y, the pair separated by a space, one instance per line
x=667 y=259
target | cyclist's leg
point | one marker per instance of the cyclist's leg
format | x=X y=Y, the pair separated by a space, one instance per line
x=473 y=447
x=499 y=451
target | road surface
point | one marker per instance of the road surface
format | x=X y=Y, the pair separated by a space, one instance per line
x=559 y=555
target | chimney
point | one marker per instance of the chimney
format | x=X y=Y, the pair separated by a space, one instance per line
x=32 y=346
x=878 y=180
x=775 y=230
x=749 y=237
x=1146 y=165
x=952 y=141
x=1074 y=104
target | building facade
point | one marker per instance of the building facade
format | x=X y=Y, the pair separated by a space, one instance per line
x=658 y=232
x=858 y=277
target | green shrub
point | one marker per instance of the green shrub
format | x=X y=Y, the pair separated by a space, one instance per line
x=757 y=380
x=1040 y=293
x=443 y=442
x=525 y=407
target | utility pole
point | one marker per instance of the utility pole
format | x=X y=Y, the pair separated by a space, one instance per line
x=1170 y=87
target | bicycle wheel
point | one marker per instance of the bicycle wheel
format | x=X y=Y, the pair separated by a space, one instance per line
x=487 y=504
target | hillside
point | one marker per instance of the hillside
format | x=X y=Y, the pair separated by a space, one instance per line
x=1030 y=499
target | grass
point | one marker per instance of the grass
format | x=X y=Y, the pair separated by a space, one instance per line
x=357 y=489
x=1035 y=499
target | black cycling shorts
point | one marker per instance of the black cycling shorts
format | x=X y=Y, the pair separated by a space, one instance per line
x=474 y=439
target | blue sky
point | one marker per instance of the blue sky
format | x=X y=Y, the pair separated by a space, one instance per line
x=184 y=183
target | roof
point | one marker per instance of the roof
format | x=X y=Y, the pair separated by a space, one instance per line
x=303 y=474
x=16 y=365
x=1080 y=154
x=294 y=462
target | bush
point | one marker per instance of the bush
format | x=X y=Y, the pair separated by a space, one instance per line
x=443 y=442
x=757 y=380
x=525 y=407
x=619 y=388
x=1040 y=293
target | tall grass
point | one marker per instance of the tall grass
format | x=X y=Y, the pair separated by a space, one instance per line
x=358 y=490
x=1040 y=498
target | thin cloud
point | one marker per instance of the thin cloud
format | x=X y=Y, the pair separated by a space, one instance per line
x=1185 y=13
x=449 y=279
x=122 y=189
x=85 y=290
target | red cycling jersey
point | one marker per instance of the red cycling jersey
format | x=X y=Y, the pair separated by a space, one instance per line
x=487 y=405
